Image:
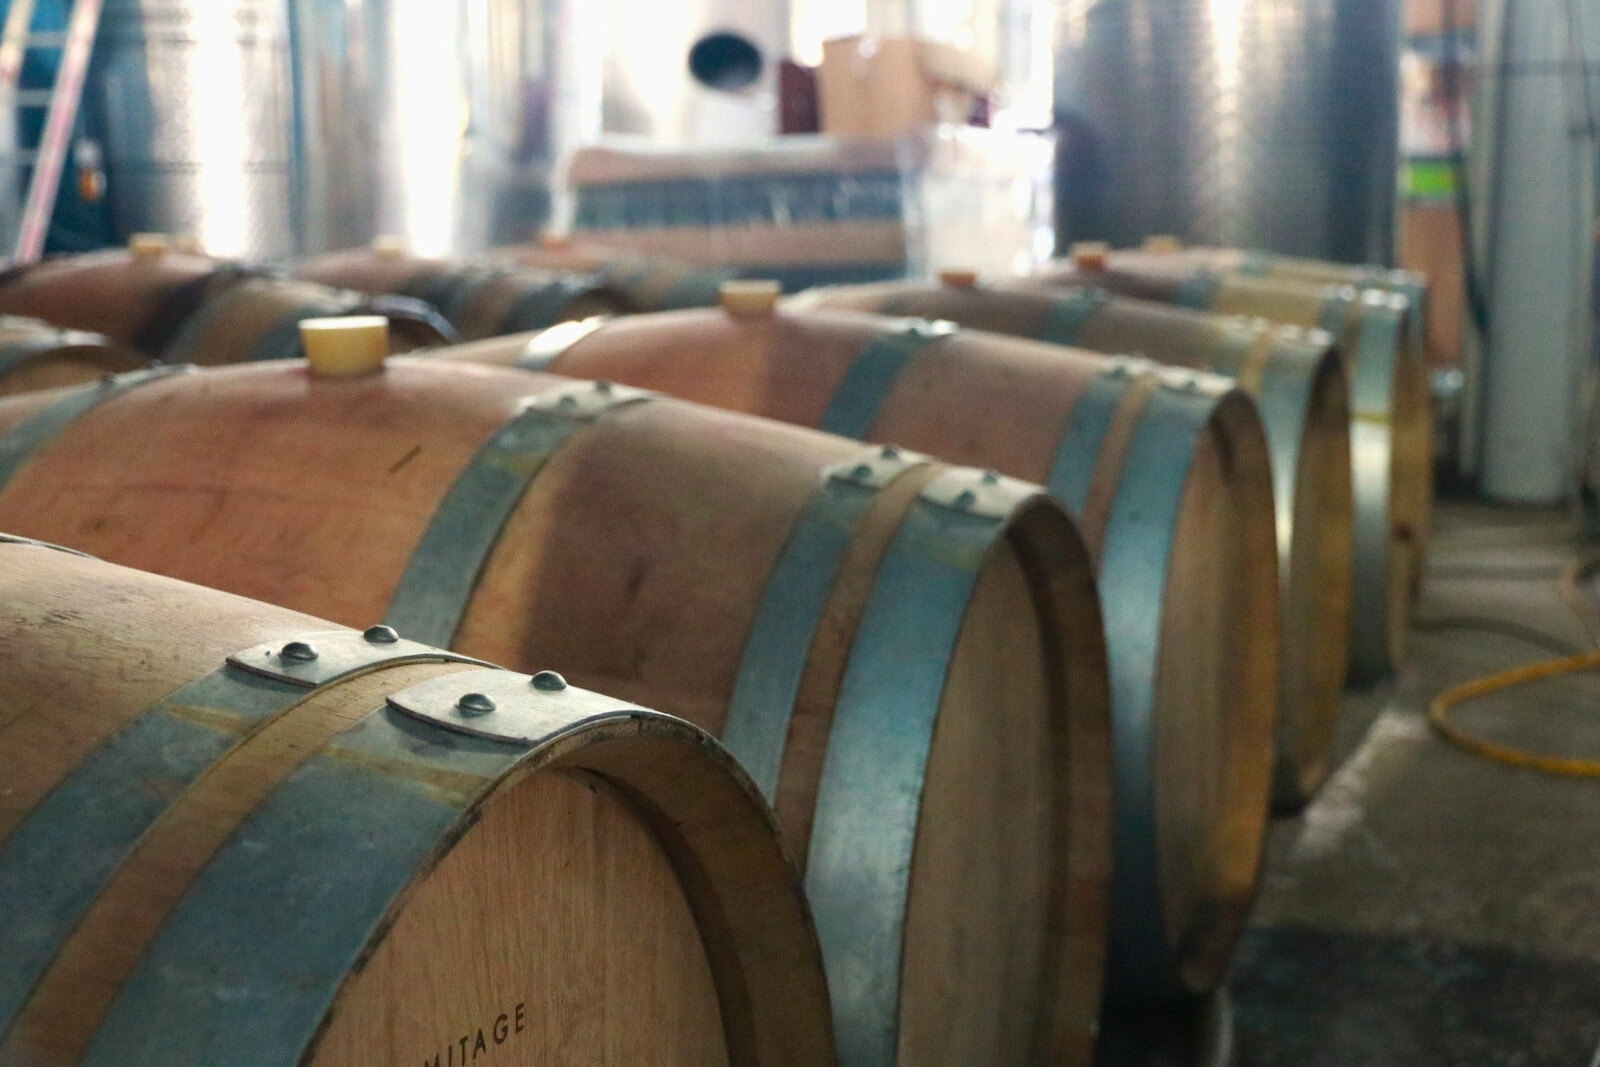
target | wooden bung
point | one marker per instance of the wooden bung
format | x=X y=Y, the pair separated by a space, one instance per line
x=1169 y=478
x=1378 y=335
x=479 y=299
x=907 y=656
x=37 y=355
x=1299 y=386
x=237 y=834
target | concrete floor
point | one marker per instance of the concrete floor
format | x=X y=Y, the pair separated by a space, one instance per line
x=1432 y=907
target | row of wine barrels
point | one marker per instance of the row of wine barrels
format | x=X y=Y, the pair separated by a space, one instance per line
x=1275 y=266
x=907 y=657
x=139 y=298
x=480 y=299
x=238 y=834
x=1299 y=387
x=644 y=283
x=37 y=355
x=185 y=307
x=1378 y=335
x=1168 y=477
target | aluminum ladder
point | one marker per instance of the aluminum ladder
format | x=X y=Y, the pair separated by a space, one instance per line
x=60 y=103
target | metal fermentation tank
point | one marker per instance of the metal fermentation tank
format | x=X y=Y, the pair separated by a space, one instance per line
x=195 y=96
x=1254 y=123
x=441 y=122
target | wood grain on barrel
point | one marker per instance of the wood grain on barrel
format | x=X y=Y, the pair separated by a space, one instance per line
x=635 y=563
x=623 y=899
x=1003 y=403
x=137 y=300
x=1300 y=386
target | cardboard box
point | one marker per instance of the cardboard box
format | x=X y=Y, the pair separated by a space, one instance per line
x=1429 y=18
x=885 y=86
x=1430 y=243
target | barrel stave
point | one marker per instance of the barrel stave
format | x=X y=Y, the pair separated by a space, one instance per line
x=946 y=398
x=603 y=567
x=338 y=862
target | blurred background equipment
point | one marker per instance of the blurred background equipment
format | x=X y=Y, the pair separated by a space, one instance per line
x=1251 y=123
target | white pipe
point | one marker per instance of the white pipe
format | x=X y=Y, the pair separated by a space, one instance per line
x=1542 y=243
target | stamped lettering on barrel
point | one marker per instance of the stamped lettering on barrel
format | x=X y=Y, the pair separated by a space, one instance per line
x=481 y=1040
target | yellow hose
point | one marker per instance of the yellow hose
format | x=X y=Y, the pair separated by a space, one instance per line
x=1439 y=717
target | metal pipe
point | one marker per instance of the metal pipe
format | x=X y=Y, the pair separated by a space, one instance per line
x=1542 y=237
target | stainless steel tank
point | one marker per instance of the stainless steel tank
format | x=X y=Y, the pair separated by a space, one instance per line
x=441 y=122
x=1254 y=123
x=195 y=96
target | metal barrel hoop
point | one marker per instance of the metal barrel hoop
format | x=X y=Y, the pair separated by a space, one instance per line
x=855 y=404
x=25 y=439
x=1134 y=558
x=542 y=306
x=53 y=865
x=859 y=867
x=779 y=643
x=1070 y=313
x=443 y=570
x=301 y=936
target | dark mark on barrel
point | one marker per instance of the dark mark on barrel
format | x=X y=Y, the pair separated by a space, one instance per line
x=407 y=458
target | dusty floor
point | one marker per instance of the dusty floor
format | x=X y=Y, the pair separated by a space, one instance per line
x=1431 y=907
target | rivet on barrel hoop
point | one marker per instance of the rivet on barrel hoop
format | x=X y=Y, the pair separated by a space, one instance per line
x=381 y=635
x=473 y=705
x=299 y=651
x=549 y=682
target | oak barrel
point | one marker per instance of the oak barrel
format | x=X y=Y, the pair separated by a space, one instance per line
x=184 y=307
x=1168 y=476
x=1378 y=335
x=37 y=355
x=259 y=318
x=236 y=834
x=644 y=283
x=1299 y=386
x=138 y=298
x=480 y=299
x=908 y=657
x=1275 y=266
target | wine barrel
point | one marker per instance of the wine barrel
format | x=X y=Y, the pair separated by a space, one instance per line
x=1378 y=336
x=480 y=300
x=238 y=834
x=644 y=283
x=1299 y=386
x=1274 y=266
x=138 y=298
x=259 y=318
x=1168 y=476
x=183 y=307
x=908 y=657
x=37 y=355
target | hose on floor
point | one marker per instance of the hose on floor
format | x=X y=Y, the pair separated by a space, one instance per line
x=1439 y=708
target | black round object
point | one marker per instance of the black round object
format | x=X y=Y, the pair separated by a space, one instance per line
x=725 y=60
